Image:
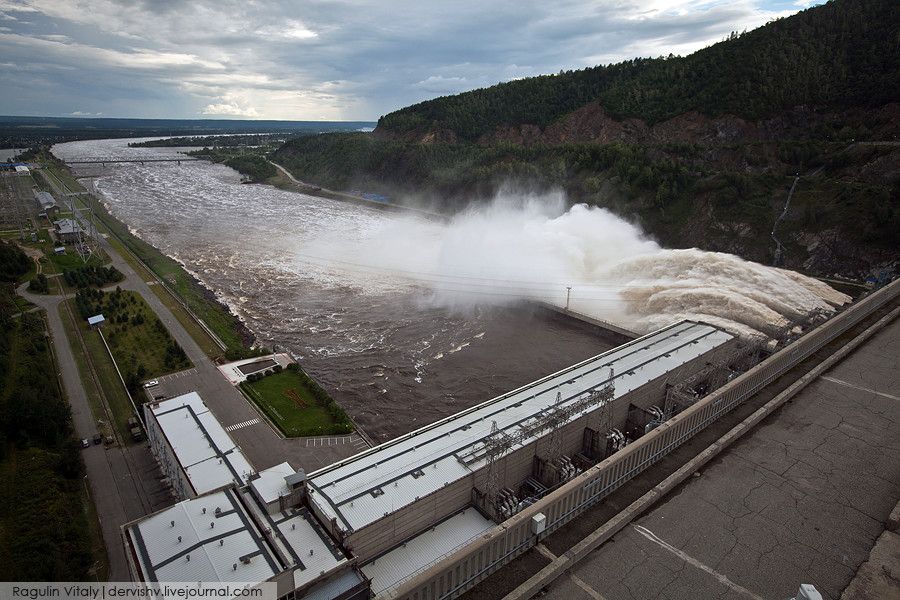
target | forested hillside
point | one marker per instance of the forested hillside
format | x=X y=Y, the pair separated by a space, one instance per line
x=843 y=54
x=699 y=151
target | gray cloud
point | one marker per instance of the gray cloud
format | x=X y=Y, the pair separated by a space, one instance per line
x=346 y=59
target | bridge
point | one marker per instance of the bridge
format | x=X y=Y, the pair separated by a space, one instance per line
x=129 y=160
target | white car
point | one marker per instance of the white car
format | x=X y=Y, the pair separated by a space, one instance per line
x=151 y=383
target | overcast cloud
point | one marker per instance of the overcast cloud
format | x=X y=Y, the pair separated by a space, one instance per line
x=317 y=59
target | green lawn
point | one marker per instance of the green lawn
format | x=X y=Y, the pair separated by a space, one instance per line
x=104 y=390
x=206 y=343
x=145 y=258
x=290 y=402
x=138 y=338
x=139 y=253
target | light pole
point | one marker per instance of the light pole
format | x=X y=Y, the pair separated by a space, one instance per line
x=568 y=294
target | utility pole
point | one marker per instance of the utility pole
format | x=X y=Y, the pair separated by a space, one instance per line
x=568 y=294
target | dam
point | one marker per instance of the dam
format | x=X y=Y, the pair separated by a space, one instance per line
x=387 y=514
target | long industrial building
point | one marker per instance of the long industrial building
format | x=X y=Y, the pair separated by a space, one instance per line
x=192 y=448
x=369 y=526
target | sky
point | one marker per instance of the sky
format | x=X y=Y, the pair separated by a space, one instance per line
x=325 y=59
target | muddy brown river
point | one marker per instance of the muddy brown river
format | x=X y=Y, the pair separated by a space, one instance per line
x=390 y=356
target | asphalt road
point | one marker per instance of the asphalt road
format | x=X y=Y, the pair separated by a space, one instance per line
x=801 y=499
x=125 y=483
x=261 y=444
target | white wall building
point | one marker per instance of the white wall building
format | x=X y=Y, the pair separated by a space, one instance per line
x=192 y=448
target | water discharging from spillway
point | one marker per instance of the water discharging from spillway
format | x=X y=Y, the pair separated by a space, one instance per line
x=406 y=319
x=531 y=247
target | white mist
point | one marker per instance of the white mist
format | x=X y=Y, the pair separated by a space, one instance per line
x=530 y=246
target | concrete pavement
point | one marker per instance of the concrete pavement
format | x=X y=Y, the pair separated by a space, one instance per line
x=262 y=445
x=124 y=482
x=801 y=499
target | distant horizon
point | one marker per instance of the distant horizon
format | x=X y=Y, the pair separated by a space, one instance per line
x=208 y=118
x=332 y=62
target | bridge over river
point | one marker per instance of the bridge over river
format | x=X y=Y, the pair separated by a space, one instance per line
x=104 y=161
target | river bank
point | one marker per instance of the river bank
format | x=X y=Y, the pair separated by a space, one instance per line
x=389 y=355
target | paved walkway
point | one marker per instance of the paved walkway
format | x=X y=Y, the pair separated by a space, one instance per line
x=801 y=499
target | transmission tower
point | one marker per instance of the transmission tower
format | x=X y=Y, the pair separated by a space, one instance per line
x=496 y=444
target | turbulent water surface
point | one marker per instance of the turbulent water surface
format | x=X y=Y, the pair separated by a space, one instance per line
x=392 y=357
x=406 y=318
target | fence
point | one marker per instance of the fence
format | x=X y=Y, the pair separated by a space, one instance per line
x=460 y=571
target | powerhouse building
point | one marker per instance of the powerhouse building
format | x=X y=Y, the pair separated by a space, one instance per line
x=381 y=518
x=192 y=448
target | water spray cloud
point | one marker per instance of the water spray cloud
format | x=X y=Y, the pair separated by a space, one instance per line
x=531 y=246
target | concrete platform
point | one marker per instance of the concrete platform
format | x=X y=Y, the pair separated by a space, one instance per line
x=801 y=499
x=238 y=371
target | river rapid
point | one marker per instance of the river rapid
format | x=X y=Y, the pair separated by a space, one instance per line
x=390 y=353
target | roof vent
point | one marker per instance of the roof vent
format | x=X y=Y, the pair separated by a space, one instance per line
x=212 y=524
x=179 y=539
x=221 y=542
x=418 y=473
x=188 y=557
x=377 y=492
x=172 y=523
x=245 y=559
x=204 y=510
x=234 y=567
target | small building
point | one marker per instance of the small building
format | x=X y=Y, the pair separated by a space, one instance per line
x=45 y=199
x=272 y=488
x=237 y=372
x=192 y=448
x=67 y=231
x=59 y=250
x=51 y=212
x=96 y=322
x=22 y=170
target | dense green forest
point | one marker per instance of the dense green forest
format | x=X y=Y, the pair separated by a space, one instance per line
x=213 y=141
x=253 y=165
x=44 y=532
x=92 y=275
x=684 y=195
x=839 y=55
x=824 y=82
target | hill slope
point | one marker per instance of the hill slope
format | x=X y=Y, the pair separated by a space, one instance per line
x=840 y=55
x=700 y=151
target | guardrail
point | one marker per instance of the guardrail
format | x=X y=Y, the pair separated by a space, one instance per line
x=585 y=490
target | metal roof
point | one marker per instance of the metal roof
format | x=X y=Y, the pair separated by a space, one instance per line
x=372 y=484
x=208 y=538
x=64 y=226
x=95 y=319
x=206 y=452
x=270 y=484
x=333 y=588
x=45 y=199
x=411 y=557
x=298 y=540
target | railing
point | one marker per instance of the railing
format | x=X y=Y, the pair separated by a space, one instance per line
x=599 y=481
x=670 y=435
